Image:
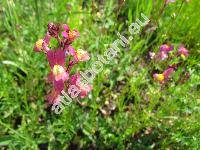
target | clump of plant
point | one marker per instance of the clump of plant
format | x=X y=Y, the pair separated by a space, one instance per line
x=168 y=57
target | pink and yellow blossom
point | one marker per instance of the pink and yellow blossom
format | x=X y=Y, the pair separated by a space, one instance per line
x=183 y=52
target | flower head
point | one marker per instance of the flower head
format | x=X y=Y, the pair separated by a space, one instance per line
x=166 y=48
x=159 y=77
x=69 y=35
x=58 y=73
x=168 y=72
x=38 y=45
x=42 y=44
x=81 y=55
x=163 y=77
x=183 y=51
x=83 y=87
x=163 y=55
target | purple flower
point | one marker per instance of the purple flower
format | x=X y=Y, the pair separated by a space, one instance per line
x=69 y=35
x=58 y=73
x=84 y=88
x=42 y=44
x=168 y=72
x=183 y=51
x=163 y=77
x=166 y=48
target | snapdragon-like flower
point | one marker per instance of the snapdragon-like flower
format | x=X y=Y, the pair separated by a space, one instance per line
x=168 y=72
x=79 y=55
x=42 y=44
x=159 y=77
x=69 y=35
x=38 y=45
x=163 y=77
x=164 y=50
x=183 y=52
x=84 y=88
x=60 y=68
x=58 y=73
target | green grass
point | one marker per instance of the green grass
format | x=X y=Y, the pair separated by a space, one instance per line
x=127 y=109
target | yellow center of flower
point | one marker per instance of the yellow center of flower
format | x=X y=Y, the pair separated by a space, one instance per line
x=57 y=69
x=183 y=56
x=39 y=44
x=160 y=77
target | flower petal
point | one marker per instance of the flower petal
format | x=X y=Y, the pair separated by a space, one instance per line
x=60 y=57
x=65 y=34
x=58 y=85
x=51 y=58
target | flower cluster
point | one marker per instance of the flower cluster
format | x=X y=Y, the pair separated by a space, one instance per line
x=62 y=57
x=163 y=54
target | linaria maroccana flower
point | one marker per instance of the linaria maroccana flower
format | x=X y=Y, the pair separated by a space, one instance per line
x=163 y=77
x=69 y=35
x=58 y=73
x=84 y=88
x=168 y=72
x=183 y=52
x=79 y=55
x=42 y=44
x=164 y=50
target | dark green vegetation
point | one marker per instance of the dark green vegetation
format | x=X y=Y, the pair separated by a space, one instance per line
x=127 y=109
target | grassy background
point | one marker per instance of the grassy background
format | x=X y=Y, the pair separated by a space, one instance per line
x=127 y=109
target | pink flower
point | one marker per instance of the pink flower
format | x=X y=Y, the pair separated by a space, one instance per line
x=58 y=73
x=183 y=51
x=69 y=35
x=163 y=77
x=168 y=72
x=53 y=97
x=152 y=55
x=42 y=44
x=38 y=45
x=166 y=48
x=163 y=55
x=79 y=55
x=159 y=77
x=83 y=87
